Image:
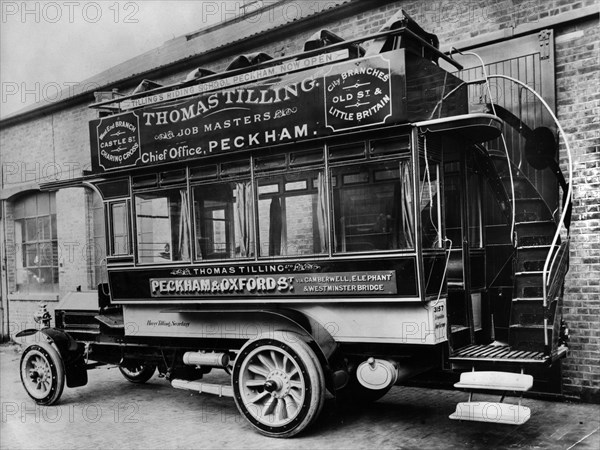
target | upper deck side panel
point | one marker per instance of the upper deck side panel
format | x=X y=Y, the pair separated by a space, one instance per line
x=279 y=108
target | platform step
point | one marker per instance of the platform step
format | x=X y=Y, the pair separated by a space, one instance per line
x=494 y=412
x=495 y=381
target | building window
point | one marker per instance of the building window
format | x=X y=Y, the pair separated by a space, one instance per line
x=36 y=244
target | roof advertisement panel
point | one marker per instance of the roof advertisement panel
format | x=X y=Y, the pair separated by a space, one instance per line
x=277 y=110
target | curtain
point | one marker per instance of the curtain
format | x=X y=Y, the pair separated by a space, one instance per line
x=185 y=226
x=275 y=227
x=408 y=216
x=245 y=219
x=322 y=213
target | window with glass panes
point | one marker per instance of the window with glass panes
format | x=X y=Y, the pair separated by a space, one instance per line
x=36 y=244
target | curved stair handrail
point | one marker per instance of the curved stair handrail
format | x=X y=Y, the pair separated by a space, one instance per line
x=568 y=198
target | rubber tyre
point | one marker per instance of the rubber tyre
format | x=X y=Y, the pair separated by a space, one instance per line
x=137 y=372
x=42 y=373
x=295 y=396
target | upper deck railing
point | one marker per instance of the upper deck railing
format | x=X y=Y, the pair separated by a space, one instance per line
x=426 y=48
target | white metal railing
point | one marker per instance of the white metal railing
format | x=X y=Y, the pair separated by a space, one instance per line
x=565 y=206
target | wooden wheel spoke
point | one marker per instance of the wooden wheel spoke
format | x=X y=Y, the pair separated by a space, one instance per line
x=296 y=384
x=255 y=383
x=268 y=364
x=258 y=370
x=296 y=396
x=281 y=410
x=291 y=405
x=257 y=398
x=274 y=358
x=269 y=406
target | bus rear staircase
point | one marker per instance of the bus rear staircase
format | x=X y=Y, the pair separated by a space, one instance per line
x=539 y=267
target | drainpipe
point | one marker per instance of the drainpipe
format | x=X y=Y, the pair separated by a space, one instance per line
x=4 y=322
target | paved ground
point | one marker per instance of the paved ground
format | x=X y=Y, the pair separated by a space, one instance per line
x=111 y=413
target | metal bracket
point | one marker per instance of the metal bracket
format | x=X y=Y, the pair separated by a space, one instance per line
x=544 y=38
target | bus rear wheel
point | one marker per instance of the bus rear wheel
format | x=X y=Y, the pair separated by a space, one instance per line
x=278 y=384
x=356 y=393
x=137 y=372
x=42 y=373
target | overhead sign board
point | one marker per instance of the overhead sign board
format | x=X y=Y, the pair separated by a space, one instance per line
x=280 y=109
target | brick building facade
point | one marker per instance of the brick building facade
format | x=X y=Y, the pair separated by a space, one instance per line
x=51 y=141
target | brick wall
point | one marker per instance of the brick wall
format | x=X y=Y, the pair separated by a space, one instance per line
x=578 y=107
x=73 y=241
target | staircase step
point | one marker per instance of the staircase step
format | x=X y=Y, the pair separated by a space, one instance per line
x=494 y=381
x=535 y=233
x=531 y=210
x=528 y=337
x=528 y=284
x=531 y=258
x=493 y=412
x=529 y=272
x=527 y=312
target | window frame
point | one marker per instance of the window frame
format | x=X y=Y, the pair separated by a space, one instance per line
x=334 y=183
x=22 y=218
x=135 y=228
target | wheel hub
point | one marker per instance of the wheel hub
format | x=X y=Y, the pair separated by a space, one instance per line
x=38 y=374
x=278 y=383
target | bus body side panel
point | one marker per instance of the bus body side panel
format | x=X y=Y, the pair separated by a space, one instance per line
x=413 y=323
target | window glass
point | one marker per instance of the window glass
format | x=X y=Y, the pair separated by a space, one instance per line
x=120 y=230
x=292 y=214
x=429 y=188
x=373 y=207
x=224 y=220
x=36 y=244
x=163 y=226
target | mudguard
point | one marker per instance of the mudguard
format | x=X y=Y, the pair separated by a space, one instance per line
x=71 y=352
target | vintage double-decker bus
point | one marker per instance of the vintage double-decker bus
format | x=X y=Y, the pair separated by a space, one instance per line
x=336 y=220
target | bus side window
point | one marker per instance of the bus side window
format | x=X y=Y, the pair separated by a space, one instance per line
x=119 y=228
x=292 y=214
x=224 y=220
x=429 y=187
x=163 y=226
x=373 y=207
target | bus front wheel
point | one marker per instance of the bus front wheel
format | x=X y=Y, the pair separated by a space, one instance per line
x=278 y=384
x=42 y=373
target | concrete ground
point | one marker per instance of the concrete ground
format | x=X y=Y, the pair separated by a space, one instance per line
x=111 y=413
